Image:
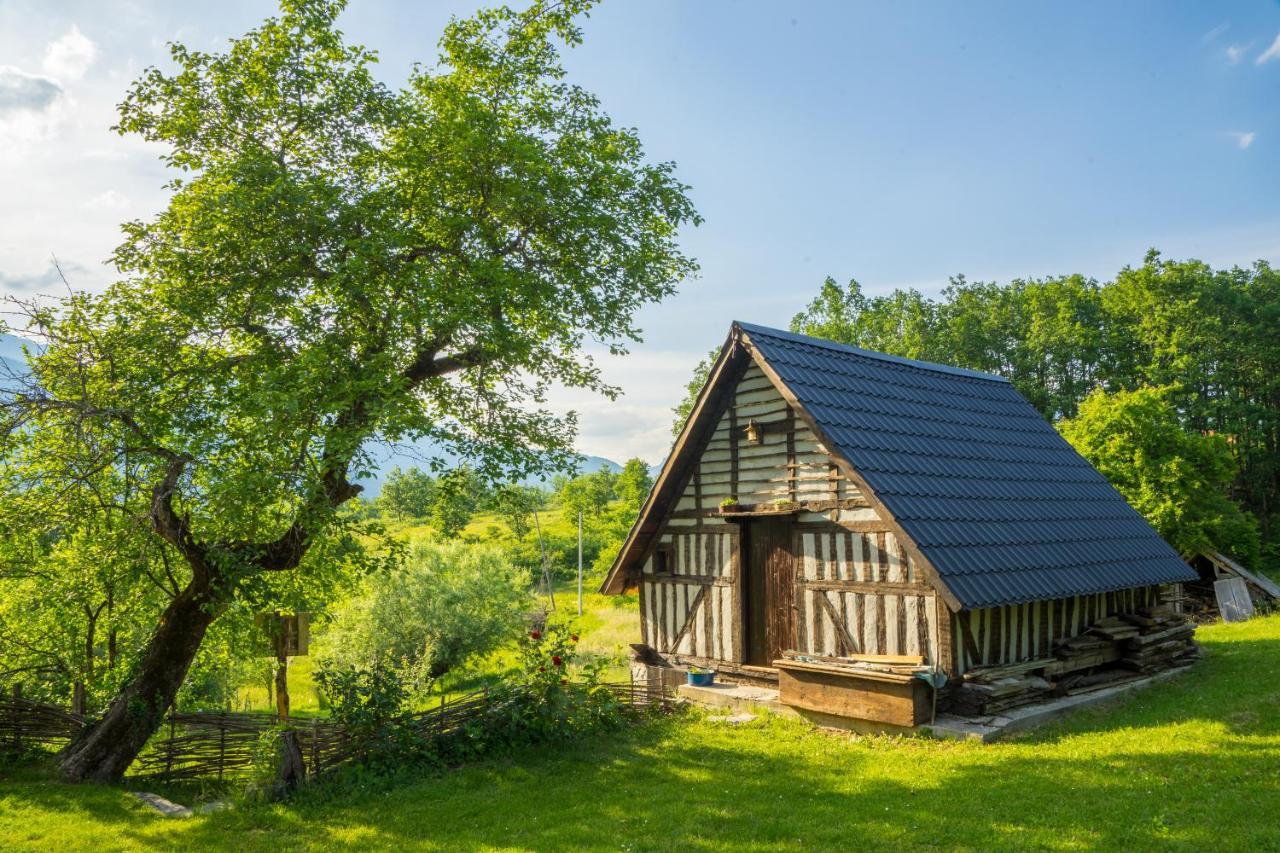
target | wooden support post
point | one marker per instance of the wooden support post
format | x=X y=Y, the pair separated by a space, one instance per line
x=169 y=747
x=315 y=748
x=222 y=743
x=282 y=680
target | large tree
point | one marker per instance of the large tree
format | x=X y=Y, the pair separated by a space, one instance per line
x=339 y=262
x=1177 y=479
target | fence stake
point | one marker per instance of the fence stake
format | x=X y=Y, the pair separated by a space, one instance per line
x=17 y=729
x=222 y=743
x=168 y=763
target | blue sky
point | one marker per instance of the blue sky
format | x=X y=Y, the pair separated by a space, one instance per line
x=895 y=143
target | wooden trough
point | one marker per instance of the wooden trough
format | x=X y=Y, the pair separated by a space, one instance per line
x=900 y=699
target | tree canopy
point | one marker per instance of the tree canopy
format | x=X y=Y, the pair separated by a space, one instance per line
x=339 y=262
x=1176 y=478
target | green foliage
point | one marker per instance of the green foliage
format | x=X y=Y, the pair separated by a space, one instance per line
x=370 y=703
x=339 y=262
x=407 y=494
x=457 y=494
x=588 y=494
x=559 y=692
x=1177 y=479
x=516 y=504
x=633 y=484
x=420 y=620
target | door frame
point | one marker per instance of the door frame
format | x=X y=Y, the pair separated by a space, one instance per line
x=768 y=609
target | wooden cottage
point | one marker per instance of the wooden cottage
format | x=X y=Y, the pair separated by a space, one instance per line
x=828 y=501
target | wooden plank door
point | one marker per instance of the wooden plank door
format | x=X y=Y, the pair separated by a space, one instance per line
x=769 y=590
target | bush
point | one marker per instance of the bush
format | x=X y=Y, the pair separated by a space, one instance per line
x=557 y=692
x=445 y=604
x=370 y=704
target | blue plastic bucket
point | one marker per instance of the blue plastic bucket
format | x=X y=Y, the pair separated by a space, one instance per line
x=700 y=679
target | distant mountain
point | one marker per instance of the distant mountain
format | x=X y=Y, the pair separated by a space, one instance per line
x=11 y=358
x=418 y=454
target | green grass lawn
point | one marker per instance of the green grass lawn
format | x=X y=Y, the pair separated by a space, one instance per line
x=1193 y=764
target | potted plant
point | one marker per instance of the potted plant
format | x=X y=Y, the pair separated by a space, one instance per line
x=729 y=505
x=784 y=504
x=698 y=676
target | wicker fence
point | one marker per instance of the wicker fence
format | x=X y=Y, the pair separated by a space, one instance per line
x=221 y=746
x=24 y=724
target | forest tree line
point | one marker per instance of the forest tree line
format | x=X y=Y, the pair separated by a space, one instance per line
x=1167 y=378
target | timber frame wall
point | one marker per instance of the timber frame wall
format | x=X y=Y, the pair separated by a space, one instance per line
x=858 y=589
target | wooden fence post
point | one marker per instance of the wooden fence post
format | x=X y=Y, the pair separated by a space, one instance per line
x=315 y=748
x=169 y=747
x=17 y=728
x=222 y=743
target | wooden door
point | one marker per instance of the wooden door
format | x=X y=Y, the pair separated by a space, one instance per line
x=769 y=589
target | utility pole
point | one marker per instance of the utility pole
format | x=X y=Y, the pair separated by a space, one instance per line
x=579 y=562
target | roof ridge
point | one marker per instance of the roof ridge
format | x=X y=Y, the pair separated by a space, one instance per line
x=867 y=353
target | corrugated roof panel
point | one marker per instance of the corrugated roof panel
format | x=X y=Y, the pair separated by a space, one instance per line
x=999 y=503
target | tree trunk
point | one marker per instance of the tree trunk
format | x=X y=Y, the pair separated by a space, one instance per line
x=103 y=751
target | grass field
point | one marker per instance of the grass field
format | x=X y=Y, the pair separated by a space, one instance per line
x=1189 y=764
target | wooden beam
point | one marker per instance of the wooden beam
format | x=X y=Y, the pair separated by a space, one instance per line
x=690 y=580
x=851 y=646
x=872 y=587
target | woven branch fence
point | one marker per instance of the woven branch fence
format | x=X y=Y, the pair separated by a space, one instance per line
x=221 y=746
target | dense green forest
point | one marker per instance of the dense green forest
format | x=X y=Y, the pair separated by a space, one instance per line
x=1207 y=341
x=1167 y=378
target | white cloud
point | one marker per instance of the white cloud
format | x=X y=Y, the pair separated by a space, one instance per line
x=23 y=92
x=31 y=107
x=109 y=200
x=1214 y=33
x=69 y=57
x=1270 y=53
x=1236 y=52
x=1244 y=139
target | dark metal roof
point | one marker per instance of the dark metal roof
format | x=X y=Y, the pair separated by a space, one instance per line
x=1001 y=505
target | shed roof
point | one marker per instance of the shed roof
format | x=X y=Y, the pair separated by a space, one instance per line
x=1004 y=509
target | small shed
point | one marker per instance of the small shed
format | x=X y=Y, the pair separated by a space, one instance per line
x=1201 y=596
x=825 y=501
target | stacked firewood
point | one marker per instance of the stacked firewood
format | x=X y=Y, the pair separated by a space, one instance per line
x=1138 y=644
x=1164 y=640
x=992 y=689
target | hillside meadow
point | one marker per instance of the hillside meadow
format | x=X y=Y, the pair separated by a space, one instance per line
x=1190 y=764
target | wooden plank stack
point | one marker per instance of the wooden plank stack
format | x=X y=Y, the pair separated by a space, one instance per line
x=1164 y=640
x=1118 y=648
x=992 y=689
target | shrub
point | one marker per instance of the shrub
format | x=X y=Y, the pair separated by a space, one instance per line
x=370 y=704
x=445 y=604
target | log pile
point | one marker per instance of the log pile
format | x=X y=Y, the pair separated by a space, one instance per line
x=1164 y=640
x=1116 y=649
x=992 y=689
